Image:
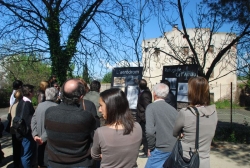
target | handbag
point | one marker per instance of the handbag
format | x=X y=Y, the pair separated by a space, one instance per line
x=176 y=159
x=18 y=125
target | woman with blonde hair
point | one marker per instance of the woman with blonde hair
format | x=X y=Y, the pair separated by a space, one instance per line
x=185 y=124
x=41 y=92
x=117 y=143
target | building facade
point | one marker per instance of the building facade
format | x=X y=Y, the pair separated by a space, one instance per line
x=173 y=49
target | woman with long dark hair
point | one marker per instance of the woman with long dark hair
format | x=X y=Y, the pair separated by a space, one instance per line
x=185 y=124
x=117 y=143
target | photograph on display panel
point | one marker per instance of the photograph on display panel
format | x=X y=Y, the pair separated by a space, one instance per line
x=182 y=92
x=173 y=82
x=127 y=79
x=173 y=91
x=119 y=81
x=178 y=76
x=132 y=96
x=131 y=80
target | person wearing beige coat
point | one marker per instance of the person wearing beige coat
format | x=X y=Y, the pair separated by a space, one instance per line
x=185 y=124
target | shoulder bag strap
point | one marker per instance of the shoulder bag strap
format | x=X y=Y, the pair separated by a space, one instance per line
x=197 y=127
x=22 y=110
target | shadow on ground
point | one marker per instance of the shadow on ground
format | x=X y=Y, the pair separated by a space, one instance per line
x=6 y=143
x=239 y=153
x=247 y=108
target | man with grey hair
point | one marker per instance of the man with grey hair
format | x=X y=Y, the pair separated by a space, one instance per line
x=37 y=124
x=160 y=120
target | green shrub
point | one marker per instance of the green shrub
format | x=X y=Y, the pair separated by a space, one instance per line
x=225 y=104
x=234 y=133
x=34 y=101
x=5 y=98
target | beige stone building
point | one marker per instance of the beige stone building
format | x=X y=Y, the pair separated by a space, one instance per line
x=172 y=49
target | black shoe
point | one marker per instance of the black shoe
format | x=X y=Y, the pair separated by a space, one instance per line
x=143 y=156
x=141 y=151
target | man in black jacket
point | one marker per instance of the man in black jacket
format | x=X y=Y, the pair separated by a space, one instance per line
x=144 y=99
x=69 y=129
x=28 y=143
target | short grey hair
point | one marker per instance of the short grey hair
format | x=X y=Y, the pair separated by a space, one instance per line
x=161 y=90
x=51 y=93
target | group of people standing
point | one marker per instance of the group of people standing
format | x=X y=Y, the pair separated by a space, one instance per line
x=87 y=128
x=162 y=124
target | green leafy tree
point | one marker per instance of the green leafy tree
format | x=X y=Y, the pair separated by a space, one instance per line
x=44 y=21
x=65 y=30
x=231 y=10
x=236 y=12
x=85 y=74
x=107 y=78
x=28 y=69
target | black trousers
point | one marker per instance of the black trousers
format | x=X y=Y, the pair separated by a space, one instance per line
x=42 y=158
x=144 y=139
x=17 y=147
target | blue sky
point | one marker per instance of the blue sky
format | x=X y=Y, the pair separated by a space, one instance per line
x=152 y=29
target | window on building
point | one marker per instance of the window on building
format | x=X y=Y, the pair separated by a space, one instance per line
x=211 y=49
x=185 y=50
x=211 y=97
x=156 y=51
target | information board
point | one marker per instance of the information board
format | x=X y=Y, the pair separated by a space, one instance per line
x=127 y=79
x=178 y=76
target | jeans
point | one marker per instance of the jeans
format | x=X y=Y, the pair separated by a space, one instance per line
x=28 y=151
x=157 y=159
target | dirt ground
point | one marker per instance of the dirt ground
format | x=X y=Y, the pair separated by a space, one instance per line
x=223 y=154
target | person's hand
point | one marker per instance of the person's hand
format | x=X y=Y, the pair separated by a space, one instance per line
x=181 y=135
x=101 y=156
x=38 y=140
x=149 y=153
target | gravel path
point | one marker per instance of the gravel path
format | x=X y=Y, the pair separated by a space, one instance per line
x=223 y=154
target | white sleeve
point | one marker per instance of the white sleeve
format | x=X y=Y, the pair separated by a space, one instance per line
x=12 y=98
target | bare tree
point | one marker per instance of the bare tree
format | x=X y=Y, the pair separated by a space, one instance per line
x=206 y=24
x=134 y=29
x=71 y=31
x=236 y=12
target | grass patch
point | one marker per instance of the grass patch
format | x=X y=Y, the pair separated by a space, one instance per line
x=224 y=104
